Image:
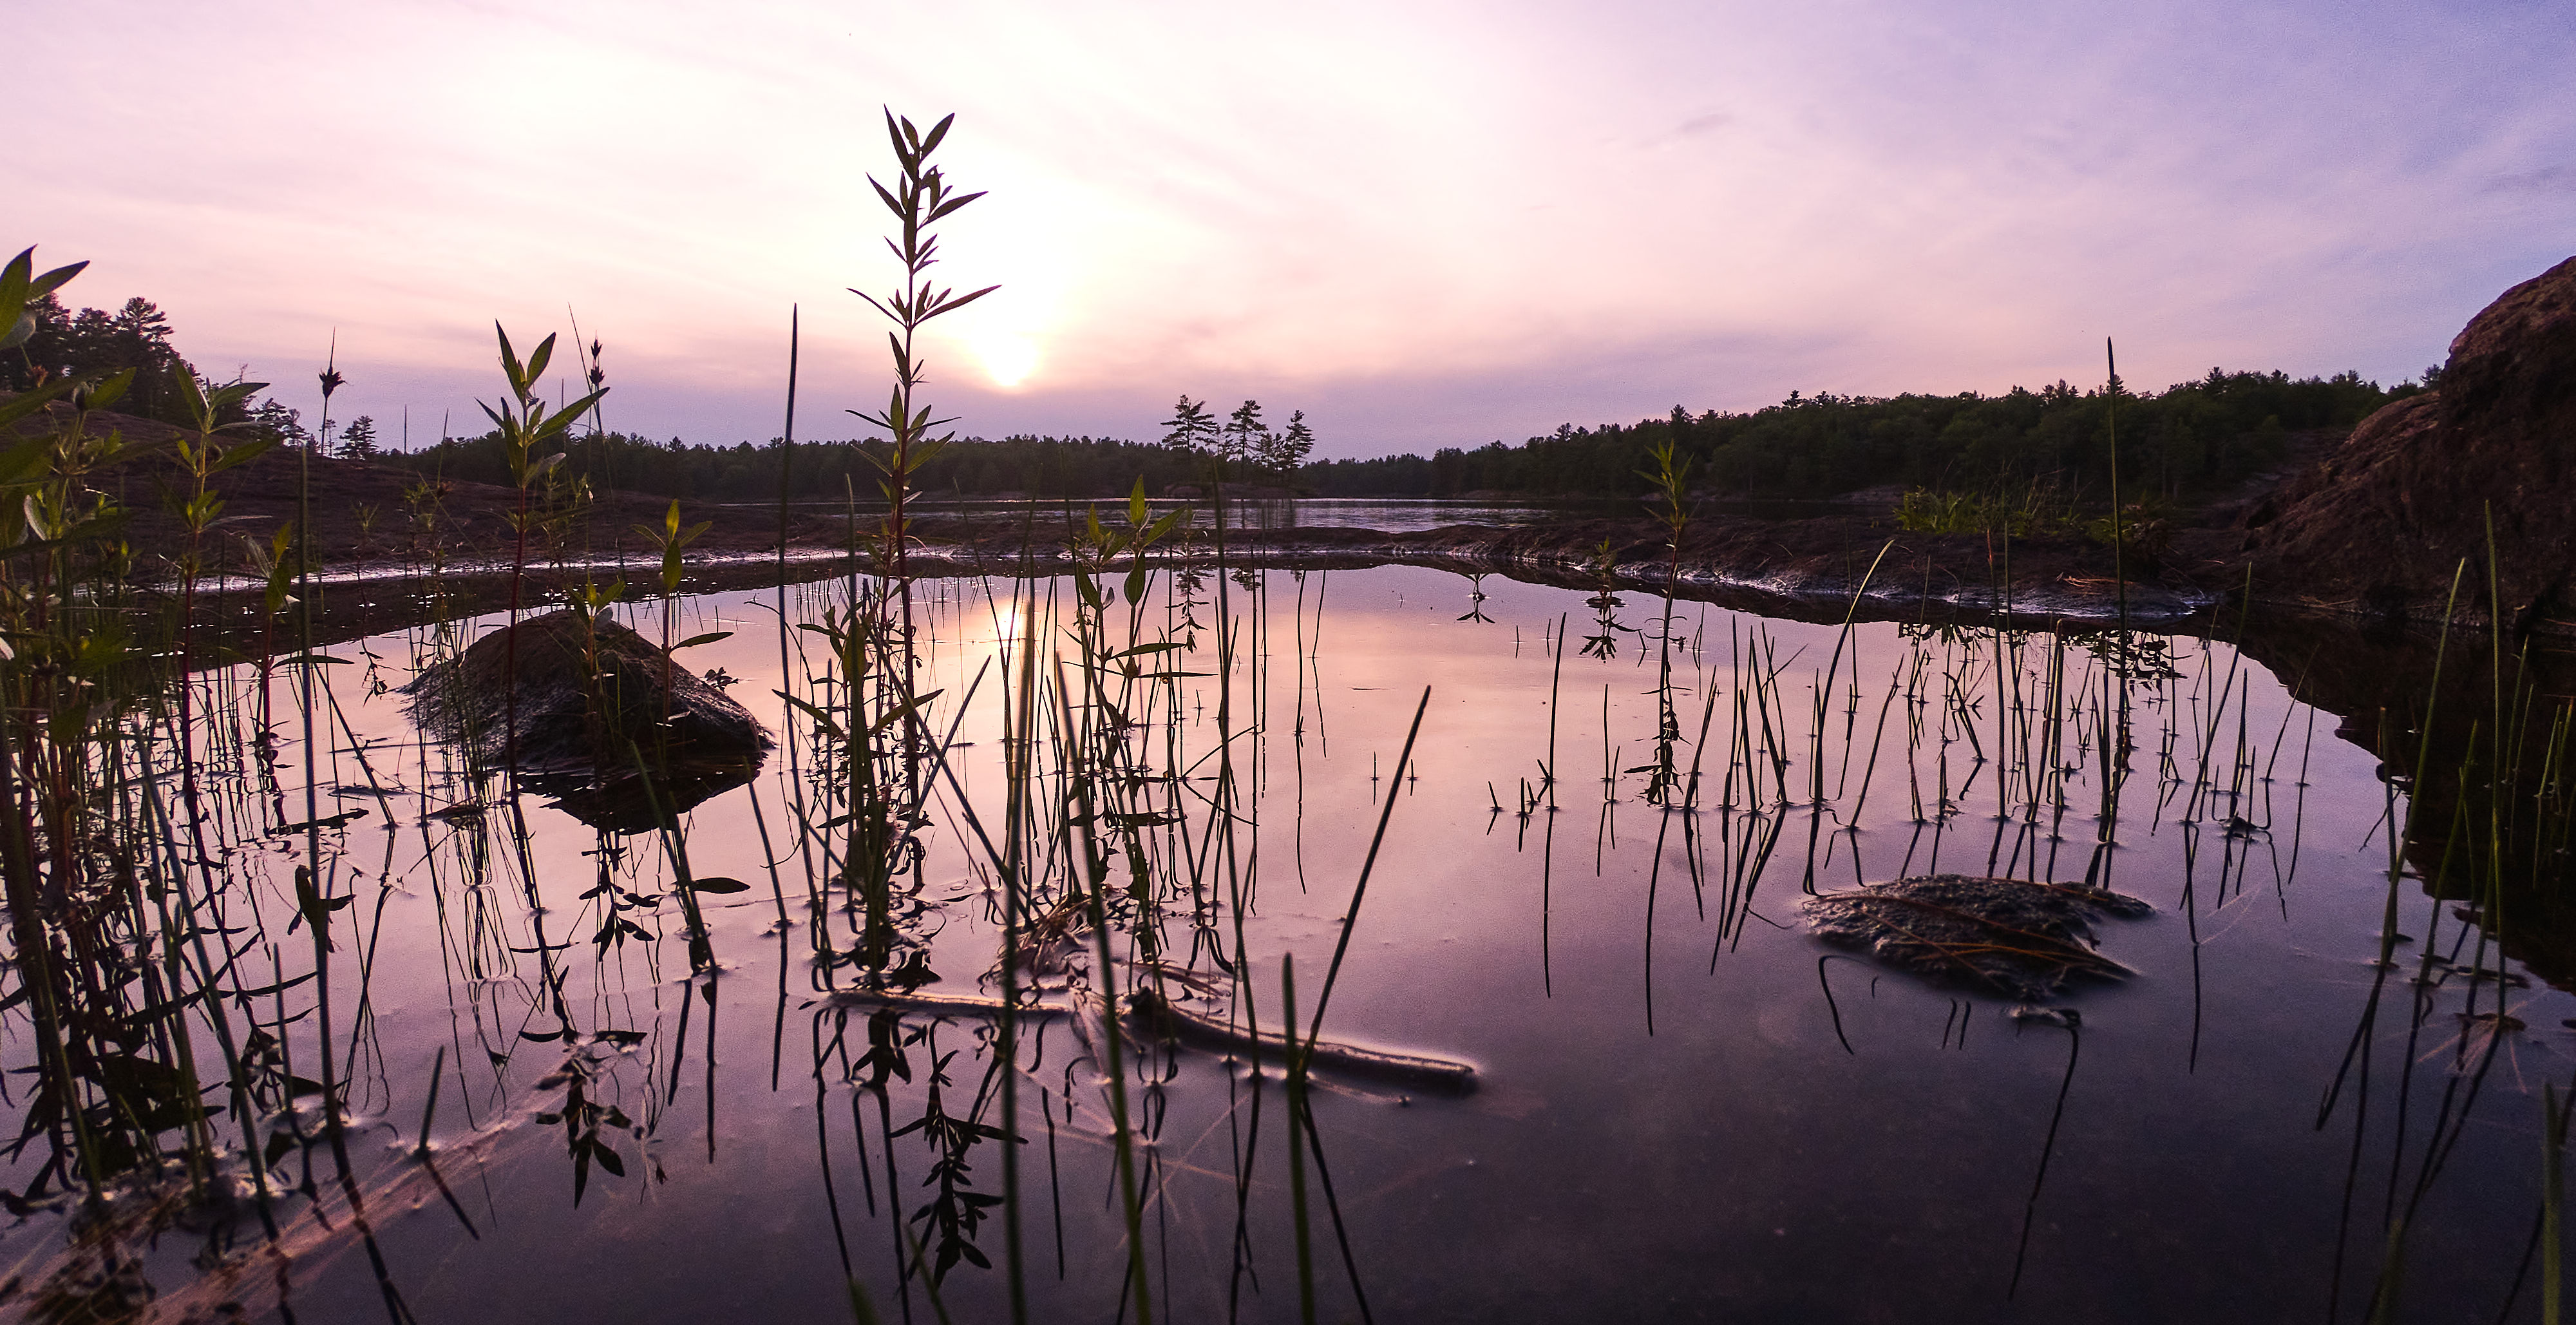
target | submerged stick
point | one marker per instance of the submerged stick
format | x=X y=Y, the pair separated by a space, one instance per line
x=1199 y=1028
x=960 y=1005
x=1192 y=1027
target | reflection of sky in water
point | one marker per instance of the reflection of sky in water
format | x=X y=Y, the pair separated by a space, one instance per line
x=1733 y=1161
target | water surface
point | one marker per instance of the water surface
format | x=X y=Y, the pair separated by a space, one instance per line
x=1687 y=1107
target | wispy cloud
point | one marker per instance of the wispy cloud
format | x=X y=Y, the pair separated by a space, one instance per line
x=2550 y=180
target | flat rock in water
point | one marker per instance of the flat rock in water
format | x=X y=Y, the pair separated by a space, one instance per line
x=2019 y=939
x=591 y=696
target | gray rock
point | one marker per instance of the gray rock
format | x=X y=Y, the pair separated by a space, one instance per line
x=596 y=704
x=2019 y=939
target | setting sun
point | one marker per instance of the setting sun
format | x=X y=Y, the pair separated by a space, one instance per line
x=1008 y=357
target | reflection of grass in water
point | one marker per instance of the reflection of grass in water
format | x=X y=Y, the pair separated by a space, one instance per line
x=2034 y=720
x=1102 y=732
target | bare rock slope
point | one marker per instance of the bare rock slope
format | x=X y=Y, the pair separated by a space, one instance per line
x=2381 y=525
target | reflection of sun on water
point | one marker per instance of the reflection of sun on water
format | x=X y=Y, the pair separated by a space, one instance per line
x=1005 y=621
x=1008 y=357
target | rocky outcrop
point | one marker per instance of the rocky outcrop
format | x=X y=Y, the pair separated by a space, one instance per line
x=2022 y=939
x=595 y=704
x=2380 y=526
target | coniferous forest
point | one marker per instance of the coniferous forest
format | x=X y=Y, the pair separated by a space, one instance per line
x=2190 y=438
x=2193 y=437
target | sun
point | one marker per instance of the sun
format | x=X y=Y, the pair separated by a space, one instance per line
x=1008 y=357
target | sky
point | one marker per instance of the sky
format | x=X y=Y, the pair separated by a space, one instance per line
x=1424 y=224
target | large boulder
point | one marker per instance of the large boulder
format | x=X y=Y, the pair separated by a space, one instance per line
x=2379 y=527
x=592 y=699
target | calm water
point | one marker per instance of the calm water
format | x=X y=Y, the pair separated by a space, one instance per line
x=1685 y=1111
x=1393 y=515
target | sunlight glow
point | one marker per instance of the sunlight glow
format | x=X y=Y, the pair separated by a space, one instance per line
x=1008 y=357
x=1458 y=223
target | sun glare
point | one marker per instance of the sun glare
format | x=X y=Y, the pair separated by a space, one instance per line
x=1005 y=621
x=1008 y=357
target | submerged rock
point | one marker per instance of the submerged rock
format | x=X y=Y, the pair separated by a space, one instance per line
x=2019 y=939
x=596 y=704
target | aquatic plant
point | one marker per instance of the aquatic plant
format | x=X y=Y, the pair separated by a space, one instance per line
x=2040 y=509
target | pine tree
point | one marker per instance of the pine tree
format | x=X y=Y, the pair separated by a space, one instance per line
x=276 y=420
x=1243 y=432
x=142 y=329
x=358 y=439
x=1282 y=453
x=136 y=336
x=1191 y=427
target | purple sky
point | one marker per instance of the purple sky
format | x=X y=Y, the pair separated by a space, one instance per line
x=1424 y=224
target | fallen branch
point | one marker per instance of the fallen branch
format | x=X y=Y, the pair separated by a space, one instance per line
x=1201 y=1029
x=1179 y=1023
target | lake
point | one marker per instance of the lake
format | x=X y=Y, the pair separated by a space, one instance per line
x=1684 y=1106
x=1391 y=515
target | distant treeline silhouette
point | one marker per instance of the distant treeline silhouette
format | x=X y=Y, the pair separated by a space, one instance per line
x=831 y=470
x=2191 y=437
x=137 y=337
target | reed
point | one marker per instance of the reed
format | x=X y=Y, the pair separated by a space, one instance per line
x=1296 y=1074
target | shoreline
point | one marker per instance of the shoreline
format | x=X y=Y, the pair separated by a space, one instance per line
x=384 y=527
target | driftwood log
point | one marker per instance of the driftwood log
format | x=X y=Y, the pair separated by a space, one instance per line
x=1166 y=1020
x=1201 y=1029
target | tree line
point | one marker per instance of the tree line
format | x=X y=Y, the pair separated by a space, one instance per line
x=2192 y=437
x=1198 y=446
x=1024 y=465
x=137 y=335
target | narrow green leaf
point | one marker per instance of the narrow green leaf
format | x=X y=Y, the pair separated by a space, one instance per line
x=243 y=454
x=510 y=362
x=107 y=392
x=952 y=204
x=52 y=280
x=16 y=278
x=537 y=361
